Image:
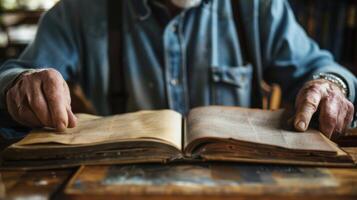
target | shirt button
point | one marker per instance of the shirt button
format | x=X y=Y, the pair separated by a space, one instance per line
x=174 y=82
x=174 y=28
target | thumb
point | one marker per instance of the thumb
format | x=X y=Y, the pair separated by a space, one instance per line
x=303 y=116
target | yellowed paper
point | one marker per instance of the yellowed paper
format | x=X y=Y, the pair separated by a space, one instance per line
x=249 y=125
x=164 y=125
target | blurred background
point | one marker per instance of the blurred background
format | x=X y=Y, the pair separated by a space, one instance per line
x=332 y=23
x=18 y=24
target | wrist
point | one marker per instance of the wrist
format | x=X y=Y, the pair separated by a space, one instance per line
x=333 y=80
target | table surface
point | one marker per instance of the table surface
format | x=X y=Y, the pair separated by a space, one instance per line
x=186 y=181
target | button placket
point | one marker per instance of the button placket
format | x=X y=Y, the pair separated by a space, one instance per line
x=173 y=56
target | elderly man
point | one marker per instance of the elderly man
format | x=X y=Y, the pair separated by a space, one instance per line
x=176 y=54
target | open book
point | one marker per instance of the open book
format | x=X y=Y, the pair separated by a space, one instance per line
x=213 y=133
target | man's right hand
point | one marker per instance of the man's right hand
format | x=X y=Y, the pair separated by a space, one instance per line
x=41 y=99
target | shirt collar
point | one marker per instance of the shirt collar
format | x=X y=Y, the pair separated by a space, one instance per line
x=143 y=9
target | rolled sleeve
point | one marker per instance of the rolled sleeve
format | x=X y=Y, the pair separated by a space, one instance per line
x=7 y=78
x=343 y=74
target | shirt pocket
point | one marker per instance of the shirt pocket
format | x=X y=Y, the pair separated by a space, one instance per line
x=231 y=85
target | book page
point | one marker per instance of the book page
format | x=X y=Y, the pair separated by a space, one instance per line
x=250 y=125
x=164 y=125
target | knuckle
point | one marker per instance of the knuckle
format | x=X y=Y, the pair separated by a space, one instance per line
x=310 y=105
x=313 y=99
x=331 y=104
x=24 y=78
x=29 y=78
x=314 y=88
x=330 y=97
x=53 y=72
x=350 y=106
x=50 y=74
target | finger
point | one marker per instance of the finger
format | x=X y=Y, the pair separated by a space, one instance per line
x=67 y=93
x=343 y=108
x=339 y=128
x=38 y=105
x=349 y=115
x=306 y=107
x=328 y=116
x=72 y=119
x=53 y=92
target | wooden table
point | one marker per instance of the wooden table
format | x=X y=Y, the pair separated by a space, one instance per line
x=235 y=181
x=44 y=184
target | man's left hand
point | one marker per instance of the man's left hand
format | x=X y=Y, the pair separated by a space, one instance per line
x=335 y=110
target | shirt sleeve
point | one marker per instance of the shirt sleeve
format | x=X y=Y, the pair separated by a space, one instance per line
x=53 y=47
x=290 y=57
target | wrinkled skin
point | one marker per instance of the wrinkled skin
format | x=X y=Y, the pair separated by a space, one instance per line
x=41 y=99
x=335 y=110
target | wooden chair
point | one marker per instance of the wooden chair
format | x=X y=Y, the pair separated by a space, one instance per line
x=271 y=96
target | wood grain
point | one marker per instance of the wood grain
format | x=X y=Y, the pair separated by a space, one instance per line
x=98 y=182
x=42 y=184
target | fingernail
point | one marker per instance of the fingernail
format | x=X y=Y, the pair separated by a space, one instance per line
x=61 y=126
x=301 y=125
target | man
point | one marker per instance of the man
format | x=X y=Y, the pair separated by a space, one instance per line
x=178 y=54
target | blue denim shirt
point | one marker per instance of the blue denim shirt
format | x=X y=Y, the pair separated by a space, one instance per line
x=193 y=59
